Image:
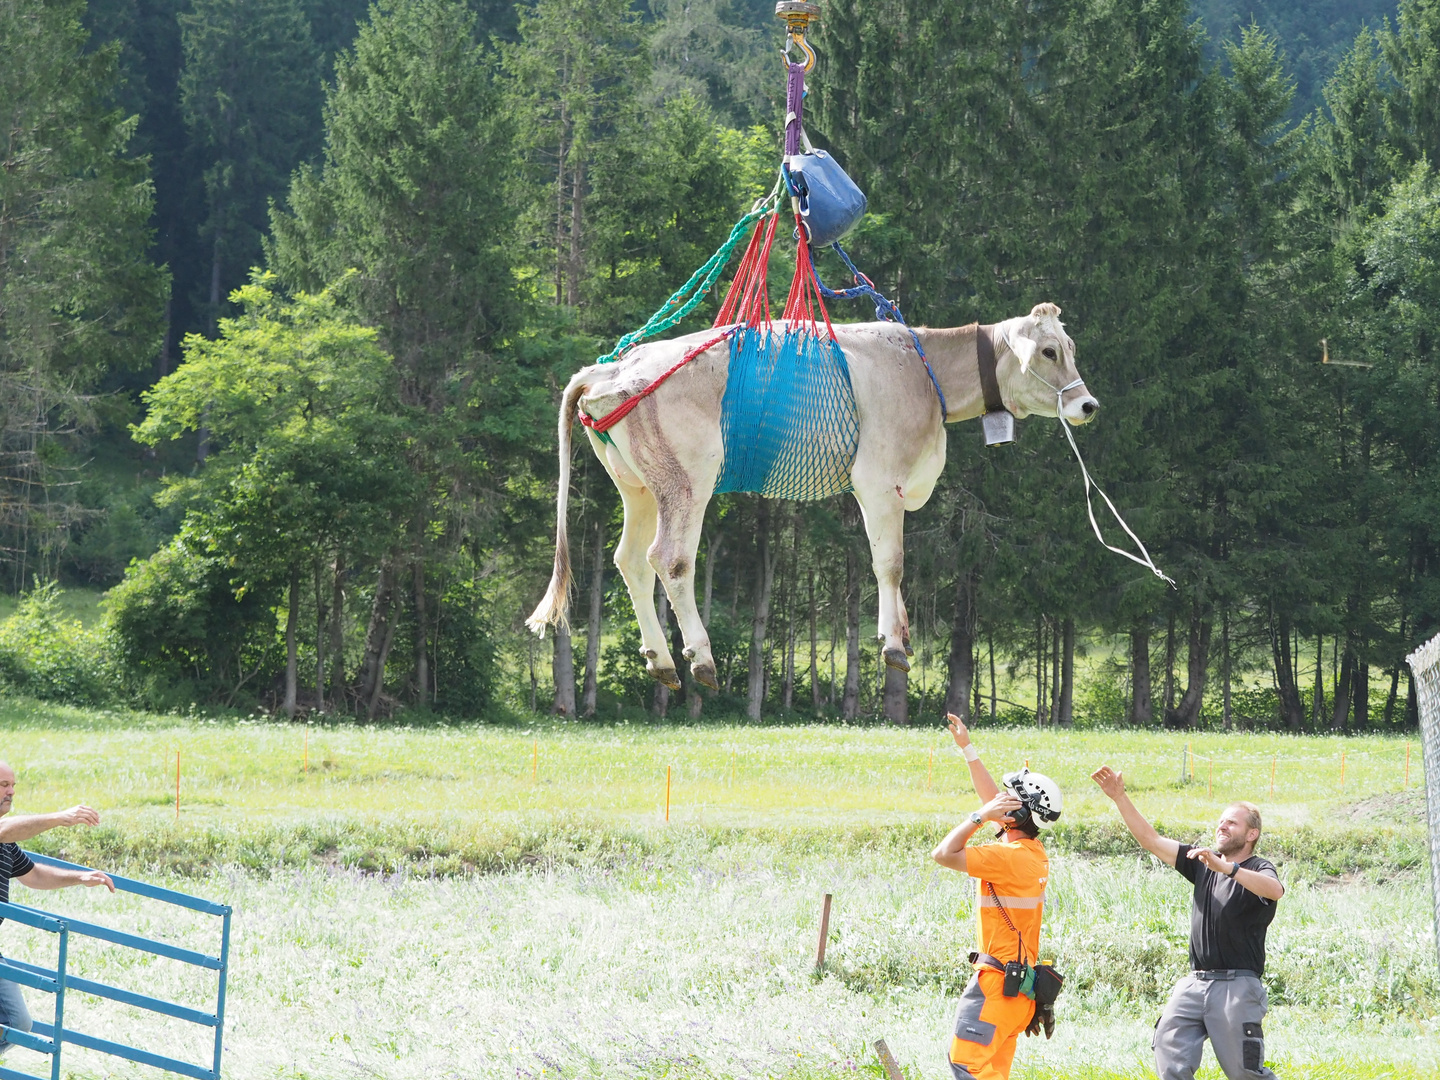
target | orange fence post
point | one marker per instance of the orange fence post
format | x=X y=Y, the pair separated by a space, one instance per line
x=535 y=762
x=824 y=934
x=1407 y=766
x=1342 y=770
x=732 y=768
x=1273 y=762
x=930 y=777
x=307 y=748
x=177 y=785
x=1210 y=783
x=667 y=792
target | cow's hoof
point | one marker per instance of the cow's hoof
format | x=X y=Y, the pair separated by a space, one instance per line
x=668 y=676
x=908 y=650
x=896 y=658
x=705 y=675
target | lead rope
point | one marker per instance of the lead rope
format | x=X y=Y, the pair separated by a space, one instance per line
x=1146 y=562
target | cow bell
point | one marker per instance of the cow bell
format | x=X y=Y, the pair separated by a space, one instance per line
x=999 y=427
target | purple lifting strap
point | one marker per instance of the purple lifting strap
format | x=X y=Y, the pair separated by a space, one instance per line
x=794 y=106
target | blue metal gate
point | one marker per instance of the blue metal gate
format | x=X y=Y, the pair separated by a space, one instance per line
x=51 y=1038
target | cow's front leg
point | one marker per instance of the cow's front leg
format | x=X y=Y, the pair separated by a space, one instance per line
x=634 y=567
x=885 y=527
x=677 y=539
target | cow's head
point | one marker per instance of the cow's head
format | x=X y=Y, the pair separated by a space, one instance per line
x=1044 y=363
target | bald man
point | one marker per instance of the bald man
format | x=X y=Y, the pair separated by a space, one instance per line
x=15 y=864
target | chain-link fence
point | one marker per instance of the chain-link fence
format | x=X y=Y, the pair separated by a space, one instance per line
x=1425 y=667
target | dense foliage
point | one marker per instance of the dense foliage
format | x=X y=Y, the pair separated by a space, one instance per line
x=392 y=233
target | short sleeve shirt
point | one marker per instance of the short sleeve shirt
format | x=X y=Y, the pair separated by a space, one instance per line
x=1227 y=920
x=1018 y=872
x=13 y=863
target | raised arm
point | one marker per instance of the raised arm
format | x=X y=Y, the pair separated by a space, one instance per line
x=950 y=852
x=985 y=786
x=14 y=830
x=1112 y=783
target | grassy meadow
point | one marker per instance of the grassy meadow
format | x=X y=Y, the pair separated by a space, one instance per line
x=497 y=900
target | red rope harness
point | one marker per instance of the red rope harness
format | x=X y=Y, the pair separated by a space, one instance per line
x=615 y=415
x=804 y=299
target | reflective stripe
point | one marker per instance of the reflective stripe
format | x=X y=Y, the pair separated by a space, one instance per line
x=1024 y=902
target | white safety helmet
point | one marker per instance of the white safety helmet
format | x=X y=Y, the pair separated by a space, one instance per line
x=1039 y=797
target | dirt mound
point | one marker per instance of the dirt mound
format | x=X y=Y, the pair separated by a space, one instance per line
x=1401 y=807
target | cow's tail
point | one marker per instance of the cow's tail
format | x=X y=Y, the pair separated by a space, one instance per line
x=553 y=609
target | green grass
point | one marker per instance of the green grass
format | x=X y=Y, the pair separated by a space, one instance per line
x=477 y=900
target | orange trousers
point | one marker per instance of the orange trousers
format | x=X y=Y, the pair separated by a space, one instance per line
x=986 y=1027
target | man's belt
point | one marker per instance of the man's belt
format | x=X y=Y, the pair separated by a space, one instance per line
x=984 y=959
x=1224 y=974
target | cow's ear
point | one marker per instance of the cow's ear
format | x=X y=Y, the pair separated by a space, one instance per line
x=1024 y=349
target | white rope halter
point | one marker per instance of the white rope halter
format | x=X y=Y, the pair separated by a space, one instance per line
x=1146 y=562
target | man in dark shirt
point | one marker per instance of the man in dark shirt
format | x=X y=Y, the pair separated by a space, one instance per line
x=1222 y=998
x=15 y=864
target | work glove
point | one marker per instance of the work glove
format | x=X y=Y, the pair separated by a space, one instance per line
x=1044 y=1017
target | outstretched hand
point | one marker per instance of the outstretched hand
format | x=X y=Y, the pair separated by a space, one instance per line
x=1112 y=783
x=91 y=878
x=80 y=815
x=958 y=730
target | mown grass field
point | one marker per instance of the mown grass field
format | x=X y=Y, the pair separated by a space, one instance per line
x=500 y=901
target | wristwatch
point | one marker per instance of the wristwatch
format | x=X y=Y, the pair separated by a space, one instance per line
x=1234 y=868
x=976 y=818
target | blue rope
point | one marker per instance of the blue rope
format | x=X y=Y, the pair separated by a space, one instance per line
x=885 y=311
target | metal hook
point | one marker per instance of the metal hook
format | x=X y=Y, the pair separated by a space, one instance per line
x=798 y=38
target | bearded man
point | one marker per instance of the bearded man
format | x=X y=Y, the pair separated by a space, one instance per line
x=1234 y=899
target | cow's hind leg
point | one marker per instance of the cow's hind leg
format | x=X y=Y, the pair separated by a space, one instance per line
x=634 y=566
x=677 y=539
x=885 y=526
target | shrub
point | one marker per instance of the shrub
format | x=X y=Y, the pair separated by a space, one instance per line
x=47 y=656
x=178 y=631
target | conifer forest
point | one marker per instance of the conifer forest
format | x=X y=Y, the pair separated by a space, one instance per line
x=289 y=290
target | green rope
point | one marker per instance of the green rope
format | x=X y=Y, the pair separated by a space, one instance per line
x=677 y=307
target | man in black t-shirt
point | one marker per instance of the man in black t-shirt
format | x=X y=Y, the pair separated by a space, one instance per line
x=1234 y=899
x=14 y=863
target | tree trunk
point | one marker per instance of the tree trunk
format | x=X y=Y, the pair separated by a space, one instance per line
x=1142 y=708
x=895 y=696
x=1412 y=706
x=1388 y=717
x=990 y=646
x=850 y=702
x=372 y=666
x=961 y=673
x=1292 y=711
x=1226 y=714
x=292 y=619
x=1344 y=689
x=1317 y=702
x=1067 y=673
x=337 y=628
x=592 y=624
x=1361 y=695
x=1169 y=666
x=1040 y=712
x=787 y=660
x=814 y=647
x=660 y=703
x=422 y=644
x=764 y=583
x=562 y=672
x=320 y=615
x=1054 y=684
x=577 y=229
x=373 y=707
x=202 y=442
x=1197 y=665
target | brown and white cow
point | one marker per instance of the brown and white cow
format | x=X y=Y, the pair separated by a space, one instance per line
x=667 y=453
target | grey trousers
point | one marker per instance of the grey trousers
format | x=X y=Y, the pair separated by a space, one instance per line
x=12 y=1010
x=1226 y=1007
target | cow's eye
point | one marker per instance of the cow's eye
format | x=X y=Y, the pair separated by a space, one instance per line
x=1049 y=353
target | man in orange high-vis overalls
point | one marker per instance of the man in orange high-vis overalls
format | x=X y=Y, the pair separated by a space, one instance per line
x=1011 y=876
